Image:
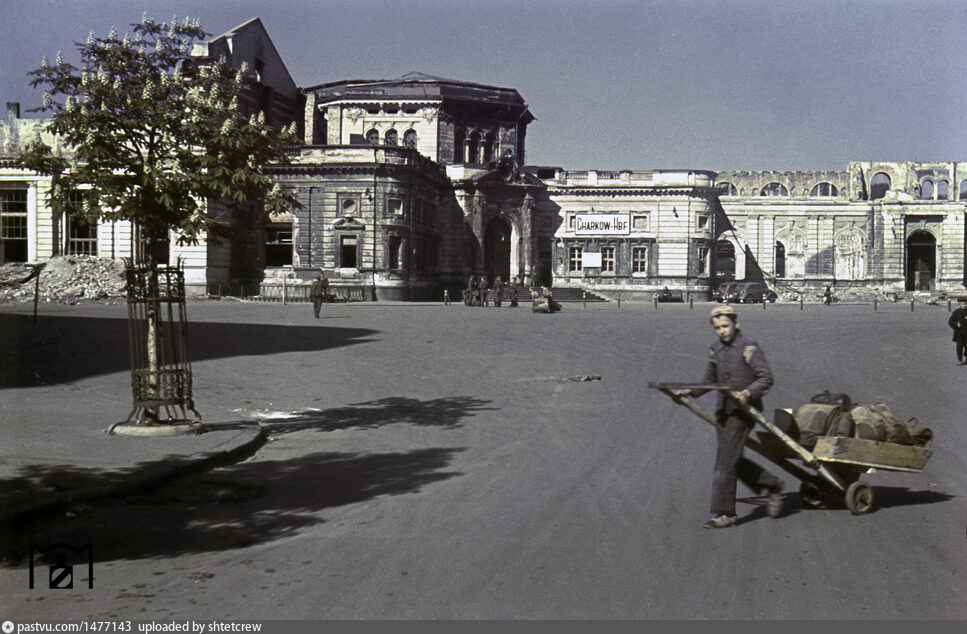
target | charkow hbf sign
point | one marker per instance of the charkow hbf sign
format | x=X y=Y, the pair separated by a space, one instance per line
x=585 y=224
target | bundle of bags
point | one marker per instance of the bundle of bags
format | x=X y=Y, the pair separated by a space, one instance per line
x=835 y=415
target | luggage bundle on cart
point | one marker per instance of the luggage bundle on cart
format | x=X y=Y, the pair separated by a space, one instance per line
x=835 y=440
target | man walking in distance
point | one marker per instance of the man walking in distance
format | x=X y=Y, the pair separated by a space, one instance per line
x=317 y=292
x=498 y=291
x=737 y=362
x=958 y=321
x=483 y=290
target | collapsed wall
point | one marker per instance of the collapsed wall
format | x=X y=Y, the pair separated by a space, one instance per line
x=64 y=280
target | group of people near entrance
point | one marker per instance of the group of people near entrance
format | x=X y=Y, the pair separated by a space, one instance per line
x=477 y=292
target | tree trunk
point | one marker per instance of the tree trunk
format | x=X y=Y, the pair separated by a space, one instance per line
x=154 y=364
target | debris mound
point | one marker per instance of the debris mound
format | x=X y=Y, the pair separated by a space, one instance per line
x=66 y=279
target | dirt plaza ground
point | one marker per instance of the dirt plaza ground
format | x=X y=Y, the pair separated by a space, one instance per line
x=430 y=461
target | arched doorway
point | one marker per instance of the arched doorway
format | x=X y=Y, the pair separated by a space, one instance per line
x=921 y=260
x=497 y=248
x=724 y=262
x=780 y=259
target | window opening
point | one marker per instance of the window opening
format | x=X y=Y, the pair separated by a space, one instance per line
x=639 y=259
x=575 y=259
x=409 y=139
x=348 y=252
x=943 y=190
x=13 y=225
x=879 y=185
x=278 y=244
x=607 y=259
x=774 y=189
x=824 y=189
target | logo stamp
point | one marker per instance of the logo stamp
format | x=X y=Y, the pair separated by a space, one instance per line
x=60 y=574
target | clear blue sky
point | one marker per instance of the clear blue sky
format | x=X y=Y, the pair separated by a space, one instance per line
x=710 y=84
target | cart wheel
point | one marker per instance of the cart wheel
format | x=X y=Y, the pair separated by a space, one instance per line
x=811 y=494
x=859 y=497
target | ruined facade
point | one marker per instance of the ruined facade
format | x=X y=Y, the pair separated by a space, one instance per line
x=408 y=186
x=894 y=225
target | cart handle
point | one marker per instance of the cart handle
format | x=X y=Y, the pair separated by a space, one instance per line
x=808 y=458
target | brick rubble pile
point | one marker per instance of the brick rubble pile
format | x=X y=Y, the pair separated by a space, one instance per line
x=65 y=280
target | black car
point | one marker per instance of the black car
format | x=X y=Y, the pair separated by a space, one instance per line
x=753 y=293
x=724 y=292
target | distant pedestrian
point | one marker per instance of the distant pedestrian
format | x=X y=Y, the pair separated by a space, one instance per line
x=484 y=287
x=468 y=292
x=317 y=293
x=828 y=296
x=958 y=322
x=513 y=292
x=498 y=291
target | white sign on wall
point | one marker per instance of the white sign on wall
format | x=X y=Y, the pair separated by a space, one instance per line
x=598 y=224
x=590 y=260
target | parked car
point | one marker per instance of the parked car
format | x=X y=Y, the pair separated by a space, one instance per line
x=666 y=295
x=724 y=291
x=753 y=293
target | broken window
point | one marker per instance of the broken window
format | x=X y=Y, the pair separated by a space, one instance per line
x=392 y=138
x=409 y=139
x=372 y=137
x=278 y=244
x=879 y=185
x=459 y=140
x=348 y=252
x=489 y=148
x=774 y=189
x=824 y=189
x=943 y=190
x=473 y=146
x=81 y=232
x=726 y=189
x=13 y=225
x=780 y=259
x=395 y=244
x=926 y=190
x=81 y=236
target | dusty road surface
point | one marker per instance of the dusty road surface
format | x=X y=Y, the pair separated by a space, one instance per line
x=450 y=462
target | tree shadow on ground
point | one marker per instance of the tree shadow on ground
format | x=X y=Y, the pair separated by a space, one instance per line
x=440 y=412
x=134 y=516
x=61 y=349
x=234 y=507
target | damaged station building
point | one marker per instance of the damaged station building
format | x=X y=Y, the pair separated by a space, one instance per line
x=409 y=186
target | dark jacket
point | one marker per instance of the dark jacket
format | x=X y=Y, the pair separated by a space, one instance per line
x=741 y=365
x=318 y=289
x=958 y=321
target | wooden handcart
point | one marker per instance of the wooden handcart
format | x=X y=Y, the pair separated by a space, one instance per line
x=832 y=468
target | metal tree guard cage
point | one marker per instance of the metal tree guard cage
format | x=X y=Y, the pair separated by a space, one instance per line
x=160 y=373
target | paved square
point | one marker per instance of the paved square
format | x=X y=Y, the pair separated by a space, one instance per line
x=451 y=462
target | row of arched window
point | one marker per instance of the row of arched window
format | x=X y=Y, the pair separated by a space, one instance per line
x=391 y=137
x=880 y=184
x=475 y=148
x=778 y=189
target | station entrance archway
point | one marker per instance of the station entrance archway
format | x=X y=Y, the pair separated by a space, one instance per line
x=921 y=261
x=497 y=249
